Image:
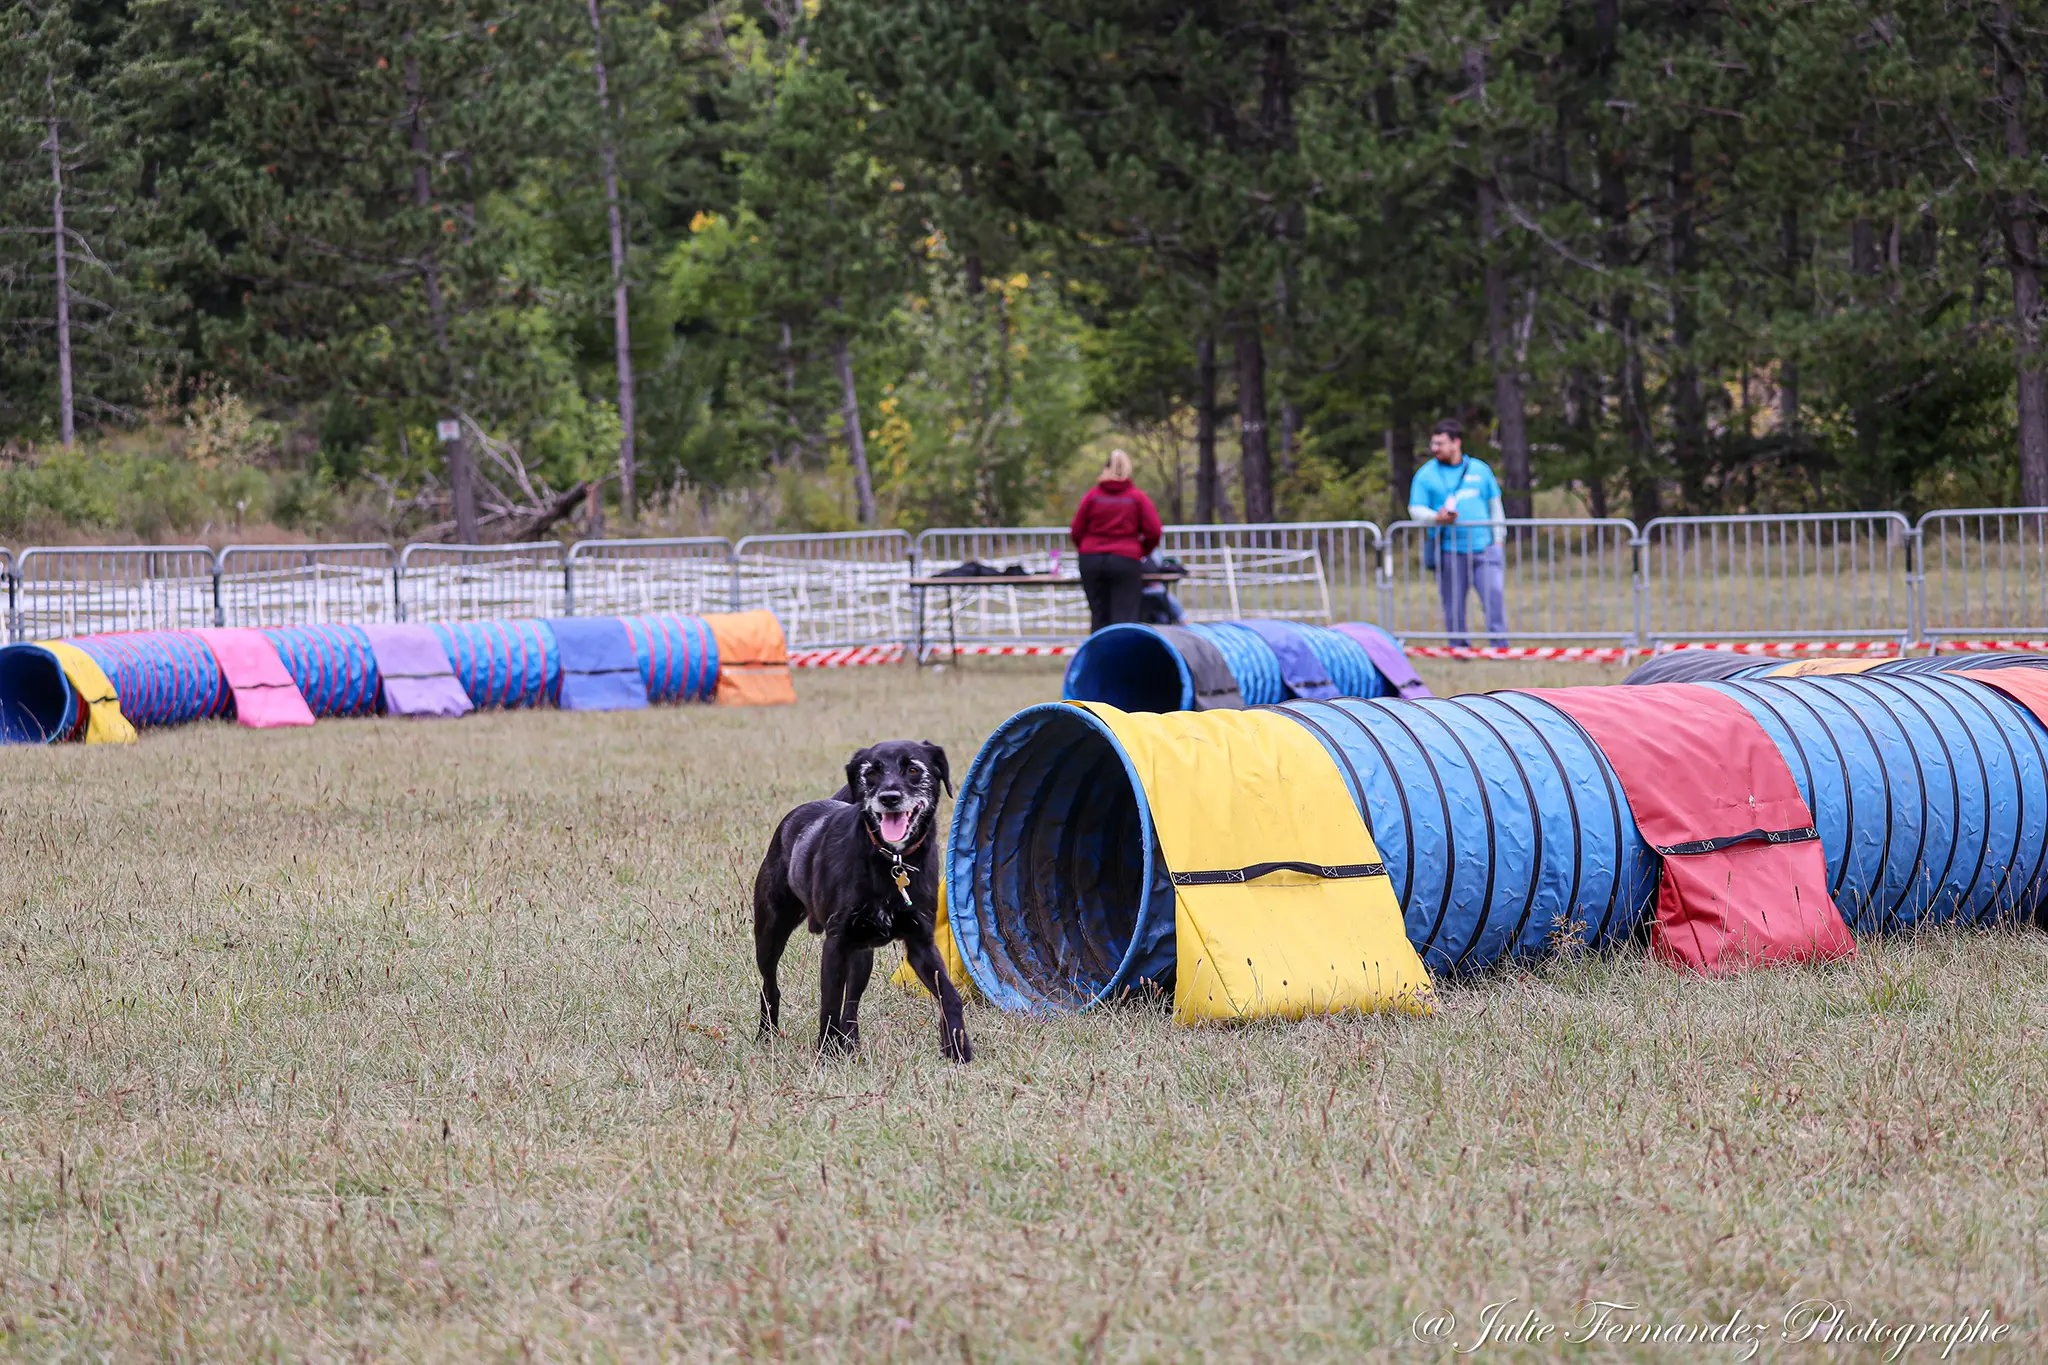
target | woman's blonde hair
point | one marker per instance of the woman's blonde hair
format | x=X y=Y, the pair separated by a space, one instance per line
x=1117 y=467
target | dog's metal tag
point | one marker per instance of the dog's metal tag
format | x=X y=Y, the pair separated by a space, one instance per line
x=903 y=883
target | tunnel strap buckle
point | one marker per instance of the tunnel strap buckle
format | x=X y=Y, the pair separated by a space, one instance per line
x=1769 y=836
x=1234 y=875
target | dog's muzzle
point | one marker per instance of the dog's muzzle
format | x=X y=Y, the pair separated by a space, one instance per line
x=894 y=825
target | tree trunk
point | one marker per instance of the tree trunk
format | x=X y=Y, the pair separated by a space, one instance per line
x=1400 y=452
x=1688 y=402
x=1277 y=138
x=1507 y=369
x=1500 y=332
x=462 y=490
x=67 y=429
x=1255 y=464
x=1788 y=366
x=622 y=325
x=1208 y=479
x=461 y=473
x=793 y=447
x=1582 y=413
x=1290 y=410
x=1863 y=263
x=856 y=439
x=1401 y=404
x=1645 y=491
x=2016 y=225
x=1645 y=484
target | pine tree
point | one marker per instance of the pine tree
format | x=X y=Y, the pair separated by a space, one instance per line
x=80 y=326
x=355 y=154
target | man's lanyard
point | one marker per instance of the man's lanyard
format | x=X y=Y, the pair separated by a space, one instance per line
x=1464 y=482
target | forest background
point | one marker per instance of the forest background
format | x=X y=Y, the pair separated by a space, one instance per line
x=817 y=264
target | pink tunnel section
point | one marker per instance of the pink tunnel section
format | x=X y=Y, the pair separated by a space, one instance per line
x=266 y=697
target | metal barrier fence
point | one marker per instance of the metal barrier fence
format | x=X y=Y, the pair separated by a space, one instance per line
x=1307 y=571
x=298 y=585
x=481 y=582
x=1983 y=573
x=634 y=577
x=1820 y=575
x=98 y=589
x=1025 y=613
x=843 y=588
x=1958 y=574
x=1561 y=579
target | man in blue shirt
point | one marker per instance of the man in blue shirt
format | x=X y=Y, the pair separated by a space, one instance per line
x=1450 y=494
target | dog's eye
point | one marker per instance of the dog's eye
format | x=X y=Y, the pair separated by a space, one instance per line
x=916 y=768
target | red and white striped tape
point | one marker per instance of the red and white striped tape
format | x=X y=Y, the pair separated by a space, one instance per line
x=847 y=656
x=1006 y=651
x=853 y=656
x=856 y=656
x=1991 y=646
x=1601 y=654
x=1781 y=648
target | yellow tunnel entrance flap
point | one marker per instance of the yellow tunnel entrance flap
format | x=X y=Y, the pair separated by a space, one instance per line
x=949 y=953
x=1233 y=792
x=105 y=724
x=1822 y=668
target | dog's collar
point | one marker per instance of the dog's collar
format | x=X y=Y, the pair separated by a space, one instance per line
x=899 y=871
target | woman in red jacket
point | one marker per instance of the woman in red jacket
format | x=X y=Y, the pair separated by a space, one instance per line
x=1115 y=526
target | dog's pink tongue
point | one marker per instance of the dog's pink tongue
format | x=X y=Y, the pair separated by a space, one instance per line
x=895 y=825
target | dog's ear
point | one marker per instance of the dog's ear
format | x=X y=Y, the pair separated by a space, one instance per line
x=936 y=756
x=853 y=767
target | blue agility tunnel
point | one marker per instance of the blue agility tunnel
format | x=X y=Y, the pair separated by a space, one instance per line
x=1698 y=665
x=163 y=677
x=1503 y=828
x=38 y=705
x=1056 y=892
x=1500 y=824
x=678 y=655
x=1956 y=663
x=1252 y=661
x=173 y=677
x=1930 y=793
x=334 y=666
x=505 y=664
x=1139 y=668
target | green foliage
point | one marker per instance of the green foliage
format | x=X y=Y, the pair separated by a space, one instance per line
x=59 y=123
x=1715 y=258
x=211 y=468
x=992 y=411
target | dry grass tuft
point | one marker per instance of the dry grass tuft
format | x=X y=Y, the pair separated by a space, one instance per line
x=434 y=1041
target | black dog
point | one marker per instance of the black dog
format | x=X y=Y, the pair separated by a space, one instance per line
x=861 y=869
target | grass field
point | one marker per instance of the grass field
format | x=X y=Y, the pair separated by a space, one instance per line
x=435 y=1041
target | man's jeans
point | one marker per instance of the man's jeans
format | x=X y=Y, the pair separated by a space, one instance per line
x=1484 y=571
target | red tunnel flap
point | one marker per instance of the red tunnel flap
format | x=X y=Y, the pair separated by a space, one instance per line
x=1698 y=769
x=2027 y=686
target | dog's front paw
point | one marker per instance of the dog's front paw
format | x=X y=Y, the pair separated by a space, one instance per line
x=953 y=1042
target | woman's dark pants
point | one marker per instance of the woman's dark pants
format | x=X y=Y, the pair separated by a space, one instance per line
x=1113 y=584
